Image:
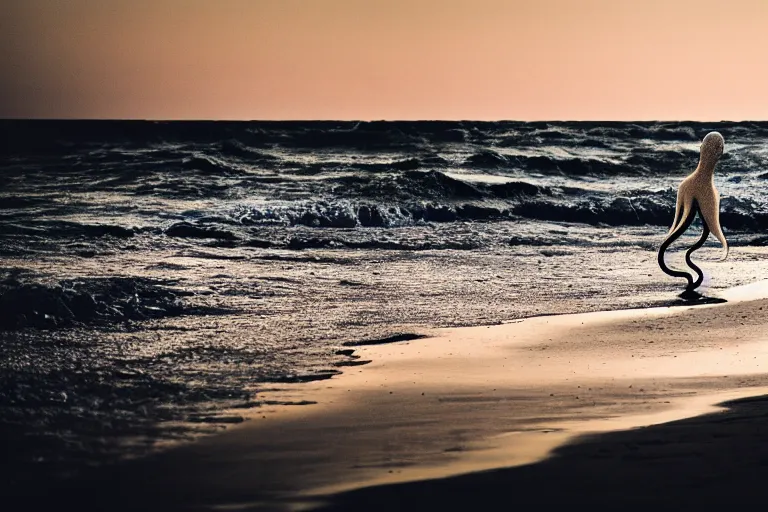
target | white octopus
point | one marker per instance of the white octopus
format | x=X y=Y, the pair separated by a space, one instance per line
x=697 y=193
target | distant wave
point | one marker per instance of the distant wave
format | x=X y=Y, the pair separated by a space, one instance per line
x=617 y=211
x=636 y=163
x=346 y=175
x=236 y=148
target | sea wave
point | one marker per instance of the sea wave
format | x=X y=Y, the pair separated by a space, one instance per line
x=634 y=208
x=363 y=174
x=89 y=302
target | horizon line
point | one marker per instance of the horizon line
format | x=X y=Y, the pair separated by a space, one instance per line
x=297 y=120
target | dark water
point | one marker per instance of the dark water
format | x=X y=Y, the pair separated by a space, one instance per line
x=156 y=272
x=244 y=183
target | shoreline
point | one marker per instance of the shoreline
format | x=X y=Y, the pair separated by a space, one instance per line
x=450 y=405
x=496 y=451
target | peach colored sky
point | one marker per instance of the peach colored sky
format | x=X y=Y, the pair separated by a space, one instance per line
x=385 y=59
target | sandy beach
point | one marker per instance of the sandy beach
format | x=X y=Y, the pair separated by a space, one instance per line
x=541 y=397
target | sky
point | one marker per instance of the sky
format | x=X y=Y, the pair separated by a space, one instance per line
x=385 y=59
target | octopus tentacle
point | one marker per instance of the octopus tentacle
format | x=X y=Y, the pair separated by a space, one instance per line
x=681 y=228
x=679 y=213
x=697 y=194
x=687 y=209
x=694 y=247
x=711 y=216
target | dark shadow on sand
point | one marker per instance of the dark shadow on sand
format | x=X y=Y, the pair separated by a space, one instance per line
x=694 y=298
x=715 y=459
x=719 y=458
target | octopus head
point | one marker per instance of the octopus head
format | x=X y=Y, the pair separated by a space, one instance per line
x=712 y=149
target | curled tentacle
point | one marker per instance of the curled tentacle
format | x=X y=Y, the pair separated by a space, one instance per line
x=679 y=230
x=689 y=252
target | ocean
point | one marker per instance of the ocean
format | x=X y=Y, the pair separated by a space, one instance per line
x=157 y=274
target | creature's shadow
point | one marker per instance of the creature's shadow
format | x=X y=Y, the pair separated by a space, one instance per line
x=694 y=298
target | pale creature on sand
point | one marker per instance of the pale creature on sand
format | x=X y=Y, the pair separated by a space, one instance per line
x=697 y=193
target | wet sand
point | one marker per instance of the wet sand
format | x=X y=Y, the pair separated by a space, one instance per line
x=442 y=411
